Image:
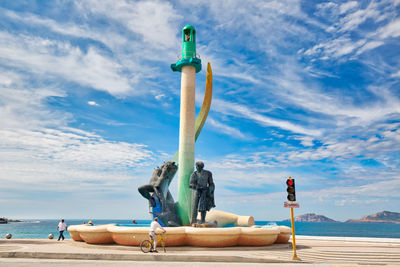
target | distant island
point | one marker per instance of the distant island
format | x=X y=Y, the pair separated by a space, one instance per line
x=4 y=220
x=312 y=217
x=380 y=217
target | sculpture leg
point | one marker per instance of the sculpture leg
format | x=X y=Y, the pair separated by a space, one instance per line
x=161 y=198
x=203 y=216
x=195 y=202
x=145 y=190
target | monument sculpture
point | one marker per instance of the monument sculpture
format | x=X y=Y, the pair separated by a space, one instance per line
x=195 y=189
x=189 y=64
x=202 y=183
x=159 y=196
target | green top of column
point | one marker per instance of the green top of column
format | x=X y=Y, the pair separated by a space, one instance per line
x=189 y=56
x=188 y=42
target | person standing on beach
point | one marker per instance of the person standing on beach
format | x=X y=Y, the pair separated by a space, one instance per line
x=153 y=227
x=62 y=226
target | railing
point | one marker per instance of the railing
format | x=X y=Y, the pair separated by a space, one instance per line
x=179 y=56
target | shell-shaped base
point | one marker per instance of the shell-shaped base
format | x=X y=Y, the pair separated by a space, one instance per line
x=74 y=232
x=95 y=234
x=181 y=236
x=212 y=237
x=284 y=234
x=251 y=236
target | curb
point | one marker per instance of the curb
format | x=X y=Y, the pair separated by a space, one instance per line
x=129 y=257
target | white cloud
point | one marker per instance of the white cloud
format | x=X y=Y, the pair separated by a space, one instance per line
x=336 y=48
x=237 y=110
x=155 y=21
x=38 y=147
x=369 y=145
x=347 y=6
x=397 y=74
x=369 y=46
x=47 y=57
x=344 y=44
x=392 y=29
x=360 y=193
x=228 y=130
x=93 y=103
x=355 y=19
x=333 y=147
x=159 y=97
x=72 y=148
x=305 y=140
x=343 y=112
x=111 y=39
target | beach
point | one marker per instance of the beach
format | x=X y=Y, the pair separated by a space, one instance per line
x=310 y=250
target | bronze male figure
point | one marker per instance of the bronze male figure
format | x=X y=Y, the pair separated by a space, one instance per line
x=202 y=183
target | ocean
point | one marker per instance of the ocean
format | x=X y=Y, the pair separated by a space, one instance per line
x=37 y=229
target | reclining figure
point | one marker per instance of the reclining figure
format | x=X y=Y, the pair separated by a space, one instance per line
x=157 y=191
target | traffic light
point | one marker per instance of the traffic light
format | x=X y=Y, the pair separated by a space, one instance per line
x=291 y=196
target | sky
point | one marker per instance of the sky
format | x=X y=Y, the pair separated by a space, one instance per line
x=89 y=105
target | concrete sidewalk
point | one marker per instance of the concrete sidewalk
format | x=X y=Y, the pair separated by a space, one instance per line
x=316 y=251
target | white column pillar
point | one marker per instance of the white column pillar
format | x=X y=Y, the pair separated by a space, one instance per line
x=186 y=141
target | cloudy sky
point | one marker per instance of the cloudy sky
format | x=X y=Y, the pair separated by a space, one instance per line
x=308 y=89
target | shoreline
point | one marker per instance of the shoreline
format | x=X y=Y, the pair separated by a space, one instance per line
x=348 y=238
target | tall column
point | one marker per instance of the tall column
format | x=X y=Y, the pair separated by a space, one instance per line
x=186 y=141
x=188 y=65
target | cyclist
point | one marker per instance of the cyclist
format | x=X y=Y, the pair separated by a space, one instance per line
x=153 y=227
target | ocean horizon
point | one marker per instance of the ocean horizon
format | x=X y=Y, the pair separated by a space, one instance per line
x=41 y=228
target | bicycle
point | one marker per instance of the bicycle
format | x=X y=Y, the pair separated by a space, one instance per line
x=147 y=245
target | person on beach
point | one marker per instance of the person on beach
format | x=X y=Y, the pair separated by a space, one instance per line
x=62 y=226
x=134 y=222
x=153 y=227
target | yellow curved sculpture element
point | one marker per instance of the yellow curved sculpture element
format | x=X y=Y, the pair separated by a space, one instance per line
x=205 y=108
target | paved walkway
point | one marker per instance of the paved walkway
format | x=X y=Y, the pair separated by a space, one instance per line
x=311 y=250
x=100 y=263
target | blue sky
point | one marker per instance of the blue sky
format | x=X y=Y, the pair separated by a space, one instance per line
x=308 y=89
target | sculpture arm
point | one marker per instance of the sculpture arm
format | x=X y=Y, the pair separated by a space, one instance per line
x=157 y=183
x=161 y=177
x=210 y=180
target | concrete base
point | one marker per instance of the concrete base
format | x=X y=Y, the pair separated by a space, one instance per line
x=92 y=234
x=182 y=236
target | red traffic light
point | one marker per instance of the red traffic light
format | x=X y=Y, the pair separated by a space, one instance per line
x=291 y=190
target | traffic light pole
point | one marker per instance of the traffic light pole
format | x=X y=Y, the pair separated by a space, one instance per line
x=293 y=236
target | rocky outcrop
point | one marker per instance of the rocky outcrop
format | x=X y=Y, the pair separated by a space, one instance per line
x=312 y=217
x=5 y=220
x=380 y=217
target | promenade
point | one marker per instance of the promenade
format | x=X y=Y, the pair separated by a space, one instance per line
x=322 y=251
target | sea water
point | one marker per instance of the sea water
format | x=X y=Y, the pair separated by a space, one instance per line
x=37 y=229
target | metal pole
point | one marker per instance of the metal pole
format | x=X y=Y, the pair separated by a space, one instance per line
x=293 y=237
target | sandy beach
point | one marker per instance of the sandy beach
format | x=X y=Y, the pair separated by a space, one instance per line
x=311 y=250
